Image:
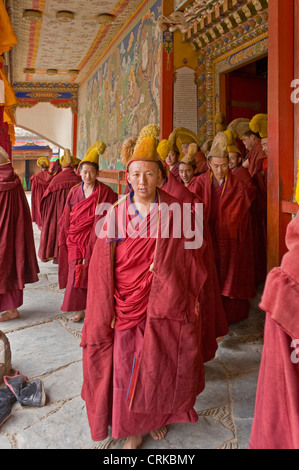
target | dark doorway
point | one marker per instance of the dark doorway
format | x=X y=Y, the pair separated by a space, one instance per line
x=246 y=90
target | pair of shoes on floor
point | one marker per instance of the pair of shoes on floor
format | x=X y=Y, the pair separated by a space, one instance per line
x=20 y=389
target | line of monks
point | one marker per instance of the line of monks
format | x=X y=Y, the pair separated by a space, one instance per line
x=153 y=311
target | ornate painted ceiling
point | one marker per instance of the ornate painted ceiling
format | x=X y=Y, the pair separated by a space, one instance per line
x=65 y=40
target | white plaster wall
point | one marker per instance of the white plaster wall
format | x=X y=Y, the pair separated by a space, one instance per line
x=51 y=123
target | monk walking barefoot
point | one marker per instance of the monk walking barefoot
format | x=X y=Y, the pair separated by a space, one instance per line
x=159 y=434
x=133 y=442
x=18 y=263
x=9 y=315
x=134 y=325
x=78 y=316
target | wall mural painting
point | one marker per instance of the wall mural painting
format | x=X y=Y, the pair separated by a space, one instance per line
x=123 y=95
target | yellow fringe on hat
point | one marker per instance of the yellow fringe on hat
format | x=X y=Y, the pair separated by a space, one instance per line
x=239 y=127
x=206 y=147
x=231 y=144
x=182 y=135
x=163 y=149
x=75 y=161
x=259 y=125
x=128 y=149
x=66 y=158
x=219 y=146
x=151 y=130
x=93 y=153
x=221 y=122
x=43 y=161
x=146 y=150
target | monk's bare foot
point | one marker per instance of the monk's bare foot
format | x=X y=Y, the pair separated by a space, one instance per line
x=133 y=442
x=9 y=315
x=78 y=316
x=159 y=434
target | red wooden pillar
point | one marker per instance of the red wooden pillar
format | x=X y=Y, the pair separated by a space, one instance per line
x=280 y=124
x=166 y=91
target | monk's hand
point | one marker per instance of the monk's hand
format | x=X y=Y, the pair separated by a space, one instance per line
x=113 y=321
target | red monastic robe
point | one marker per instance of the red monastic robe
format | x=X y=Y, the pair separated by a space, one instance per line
x=175 y=172
x=39 y=184
x=201 y=162
x=166 y=345
x=228 y=210
x=257 y=159
x=276 y=416
x=76 y=239
x=18 y=263
x=51 y=209
x=214 y=323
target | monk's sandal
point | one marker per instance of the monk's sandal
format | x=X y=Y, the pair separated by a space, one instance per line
x=27 y=393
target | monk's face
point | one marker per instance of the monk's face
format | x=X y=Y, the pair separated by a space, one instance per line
x=171 y=158
x=249 y=141
x=186 y=172
x=233 y=160
x=144 y=178
x=88 y=174
x=219 y=167
x=265 y=145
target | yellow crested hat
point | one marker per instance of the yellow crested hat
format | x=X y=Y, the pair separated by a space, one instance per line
x=146 y=145
x=189 y=158
x=239 y=127
x=231 y=143
x=127 y=149
x=66 y=158
x=163 y=149
x=75 y=161
x=259 y=125
x=182 y=135
x=43 y=161
x=93 y=153
x=219 y=146
x=221 y=122
x=206 y=147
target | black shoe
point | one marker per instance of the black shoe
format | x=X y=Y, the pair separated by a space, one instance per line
x=7 y=399
x=27 y=393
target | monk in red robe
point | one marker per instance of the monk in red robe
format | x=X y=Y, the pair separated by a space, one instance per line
x=39 y=183
x=172 y=161
x=52 y=205
x=214 y=323
x=276 y=416
x=142 y=323
x=75 y=231
x=227 y=208
x=18 y=264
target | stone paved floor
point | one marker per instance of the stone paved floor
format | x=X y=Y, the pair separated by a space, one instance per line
x=45 y=344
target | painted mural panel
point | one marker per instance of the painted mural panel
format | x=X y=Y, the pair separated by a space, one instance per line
x=123 y=93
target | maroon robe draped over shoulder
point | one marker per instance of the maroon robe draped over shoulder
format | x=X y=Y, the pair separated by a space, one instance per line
x=77 y=227
x=166 y=344
x=18 y=263
x=228 y=210
x=51 y=209
x=276 y=416
x=214 y=323
x=39 y=184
